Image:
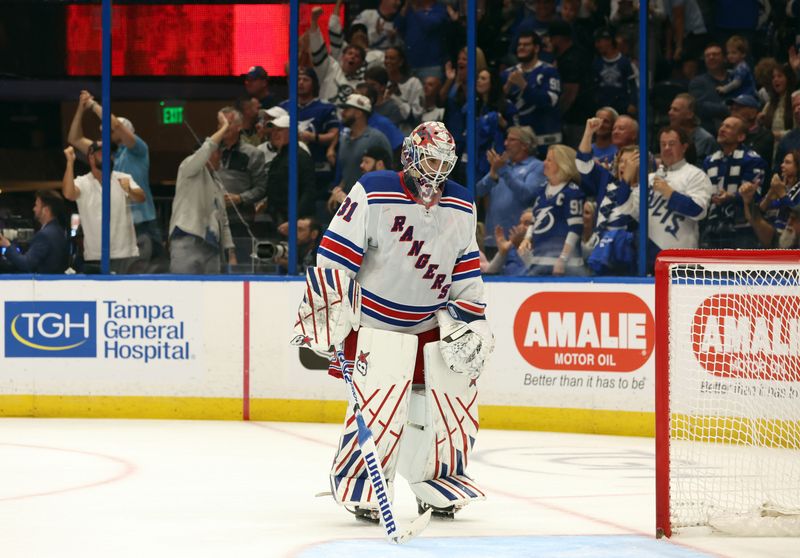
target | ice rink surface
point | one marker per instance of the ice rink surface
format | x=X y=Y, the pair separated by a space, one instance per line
x=103 y=488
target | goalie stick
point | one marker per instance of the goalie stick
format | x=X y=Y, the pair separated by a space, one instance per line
x=372 y=462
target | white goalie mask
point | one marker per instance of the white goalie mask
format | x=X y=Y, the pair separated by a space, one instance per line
x=429 y=156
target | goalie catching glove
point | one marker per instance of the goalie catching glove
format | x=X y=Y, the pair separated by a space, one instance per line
x=466 y=341
x=330 y=310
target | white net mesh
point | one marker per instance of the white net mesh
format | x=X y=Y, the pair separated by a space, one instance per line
x=734 y=396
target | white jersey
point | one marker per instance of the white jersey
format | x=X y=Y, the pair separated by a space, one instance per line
x=674 y=223
x=410 y=261
x=90 y=204
x=381 y=37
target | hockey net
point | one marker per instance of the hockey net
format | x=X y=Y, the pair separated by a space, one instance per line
x=728 y=392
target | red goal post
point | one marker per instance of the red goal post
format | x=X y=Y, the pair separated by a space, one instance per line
x=728 y=392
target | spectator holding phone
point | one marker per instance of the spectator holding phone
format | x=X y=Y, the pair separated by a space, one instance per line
x=48 y=250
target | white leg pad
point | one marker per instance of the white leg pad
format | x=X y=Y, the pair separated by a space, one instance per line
x=441 y=430
x=382 y=375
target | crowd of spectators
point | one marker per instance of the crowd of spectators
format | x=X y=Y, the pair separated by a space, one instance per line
x=724 y=117
x=557 y=85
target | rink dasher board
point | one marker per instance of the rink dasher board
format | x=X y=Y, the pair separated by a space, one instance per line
x=570 y=356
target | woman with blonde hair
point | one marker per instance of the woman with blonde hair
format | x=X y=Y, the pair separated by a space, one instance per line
x=554 y=237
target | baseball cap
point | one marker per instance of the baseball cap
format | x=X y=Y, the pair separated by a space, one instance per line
x=358 y=101
x=745 y=101
x=276 y=112
x=280 y=122
x=256 y=72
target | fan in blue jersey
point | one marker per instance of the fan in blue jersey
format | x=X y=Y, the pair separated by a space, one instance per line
x=318 y=126
x=784 y=191
x=557 y=217
x=494 y=112
x=535 y=88
x=614 y=75
x=740 y=78
x=593 y=180
x=770 y=216
x=786 y=238
x=728 y=168
x=610 y=248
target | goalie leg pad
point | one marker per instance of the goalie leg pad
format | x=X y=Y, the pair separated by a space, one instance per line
x=384 y=362
x=438 y=440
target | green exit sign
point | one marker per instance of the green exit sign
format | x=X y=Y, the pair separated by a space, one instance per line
x=172 y=115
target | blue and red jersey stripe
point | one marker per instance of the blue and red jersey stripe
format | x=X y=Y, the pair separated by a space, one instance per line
x=467 y=266
x=387 y=311
x=337 y=248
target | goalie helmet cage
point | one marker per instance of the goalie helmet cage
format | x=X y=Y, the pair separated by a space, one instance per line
x=728 y=392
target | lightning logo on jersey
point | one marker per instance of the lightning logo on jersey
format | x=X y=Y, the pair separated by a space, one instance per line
x=537 y=104
x=555 y=217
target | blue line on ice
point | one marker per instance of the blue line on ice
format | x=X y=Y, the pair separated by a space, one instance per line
x=565 y=546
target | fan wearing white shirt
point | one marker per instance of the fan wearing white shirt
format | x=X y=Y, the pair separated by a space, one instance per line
x=87 y=191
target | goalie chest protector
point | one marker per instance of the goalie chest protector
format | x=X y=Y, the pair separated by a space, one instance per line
x=409 y=260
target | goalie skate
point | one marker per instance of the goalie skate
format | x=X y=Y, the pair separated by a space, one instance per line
x=439 y=513
x=367 y=515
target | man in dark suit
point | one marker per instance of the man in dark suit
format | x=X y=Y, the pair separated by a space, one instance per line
x=48 y=250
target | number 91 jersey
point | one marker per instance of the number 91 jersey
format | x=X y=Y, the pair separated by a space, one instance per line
x=409 y=260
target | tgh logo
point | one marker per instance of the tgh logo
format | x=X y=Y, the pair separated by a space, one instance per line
x=53 y=329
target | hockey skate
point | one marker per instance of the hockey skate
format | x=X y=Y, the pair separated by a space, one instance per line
x=367 y=515
x=448 y=512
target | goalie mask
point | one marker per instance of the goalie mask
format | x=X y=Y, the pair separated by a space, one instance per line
x=429 y=156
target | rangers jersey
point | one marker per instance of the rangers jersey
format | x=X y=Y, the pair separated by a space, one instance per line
x=409 y=260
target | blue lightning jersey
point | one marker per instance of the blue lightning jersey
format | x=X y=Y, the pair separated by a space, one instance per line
x=778 y=212
x=610 y=194
x=727 y=173
x=557 y=219
x=615 y=83
x=317 y=117
x=747 y=83
x=537 y=104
